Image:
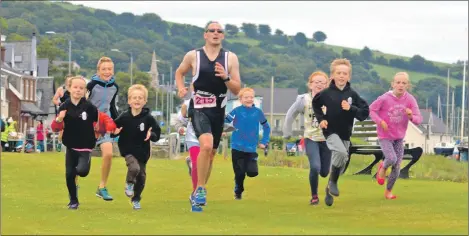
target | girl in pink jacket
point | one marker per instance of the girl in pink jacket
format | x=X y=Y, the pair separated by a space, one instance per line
x=392 y=112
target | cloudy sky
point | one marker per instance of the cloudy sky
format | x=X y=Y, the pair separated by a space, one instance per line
x=435 y=30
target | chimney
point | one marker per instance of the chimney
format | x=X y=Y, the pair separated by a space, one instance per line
x=3 y=53
x=33 y=56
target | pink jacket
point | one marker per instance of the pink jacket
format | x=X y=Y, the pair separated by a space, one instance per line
x=40 y=132
x=391 y=109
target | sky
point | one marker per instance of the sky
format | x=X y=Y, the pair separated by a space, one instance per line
x=438 y=31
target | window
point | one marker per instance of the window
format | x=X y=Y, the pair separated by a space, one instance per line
x=31 y=90
x=277 y=123
x=28 y=90
x=3 y=96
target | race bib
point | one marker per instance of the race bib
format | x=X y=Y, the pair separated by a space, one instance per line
x=204 y=101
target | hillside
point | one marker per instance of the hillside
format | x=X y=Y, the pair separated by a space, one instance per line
x=262 y=51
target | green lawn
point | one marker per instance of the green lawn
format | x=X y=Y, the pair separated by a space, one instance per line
x=244 y=40
x=387 y=73
x=34 y=199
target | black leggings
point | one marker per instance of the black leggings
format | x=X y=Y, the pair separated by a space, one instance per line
x=76 y=163
x=244 y=163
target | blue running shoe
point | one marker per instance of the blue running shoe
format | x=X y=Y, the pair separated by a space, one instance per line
x=200 y=196
x=136 y=205
x=129 y=189
x=194 y=207
x=102 y=193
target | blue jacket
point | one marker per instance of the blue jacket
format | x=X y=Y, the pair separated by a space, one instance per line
x=246 y=122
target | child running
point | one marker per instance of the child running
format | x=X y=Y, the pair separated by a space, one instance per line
x=136 y=127
x=193 y=146
x=392 y=112
x=102 y=92
x=344 y=105
x=319 y=155
x=78 y=135
x=245 y=138
x=62 y=93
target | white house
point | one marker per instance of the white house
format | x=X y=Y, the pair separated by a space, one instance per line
x=426 y=135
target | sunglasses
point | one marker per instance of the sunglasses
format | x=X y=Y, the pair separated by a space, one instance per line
x=220 y=31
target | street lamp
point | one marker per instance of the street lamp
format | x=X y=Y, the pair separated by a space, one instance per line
x=69 y=52
x=131 y=64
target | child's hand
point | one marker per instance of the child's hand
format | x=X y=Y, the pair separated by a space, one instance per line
x=148 y=134
x=181 y=131
x=345 y=105
x=408 y=112
x=118 y=130
x=384 y=125
x=61 y=115
x=262 y=146
x=323 y=124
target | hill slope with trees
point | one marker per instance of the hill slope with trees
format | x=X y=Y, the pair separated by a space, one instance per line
x=263 y=52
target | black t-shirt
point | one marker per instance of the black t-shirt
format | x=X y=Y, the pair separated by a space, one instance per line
x=339 y=121
x=78 y=127
x=133 y=134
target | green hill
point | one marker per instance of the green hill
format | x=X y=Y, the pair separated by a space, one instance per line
x=262 y=52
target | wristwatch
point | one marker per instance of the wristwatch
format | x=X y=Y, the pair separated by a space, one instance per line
x=227 y=79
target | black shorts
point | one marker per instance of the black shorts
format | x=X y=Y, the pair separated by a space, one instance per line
x=209 y=121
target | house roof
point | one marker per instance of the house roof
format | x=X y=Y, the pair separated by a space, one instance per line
x=30 y=107
x=437 y=126
x=22 y=49
x=283 y=99
x=7 y=67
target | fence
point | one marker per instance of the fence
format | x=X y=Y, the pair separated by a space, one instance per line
x=168 y=147
x=27 y=141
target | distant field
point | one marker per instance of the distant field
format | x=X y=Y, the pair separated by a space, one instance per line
x=244 y=40
x=387 y=73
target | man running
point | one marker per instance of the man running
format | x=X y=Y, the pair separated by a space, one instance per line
x=214 y=71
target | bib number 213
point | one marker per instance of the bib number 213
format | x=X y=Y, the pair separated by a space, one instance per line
x=204 y=102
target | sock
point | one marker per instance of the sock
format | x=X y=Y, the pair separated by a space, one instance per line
x=194 y=152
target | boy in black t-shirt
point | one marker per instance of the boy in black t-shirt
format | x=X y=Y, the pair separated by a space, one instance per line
x=136 y=127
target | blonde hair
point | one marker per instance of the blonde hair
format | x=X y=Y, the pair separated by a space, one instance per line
x=341 y=61
x=72 y=78
x=136 y=87
x=67 y=80
x=102 y=60
x=401 y=73
x=245 y=90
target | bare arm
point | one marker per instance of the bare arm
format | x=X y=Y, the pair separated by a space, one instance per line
x=58 y=94
x=185 y=66
x=234 y=85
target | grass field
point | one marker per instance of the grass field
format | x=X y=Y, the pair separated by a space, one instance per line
x=34 y=199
